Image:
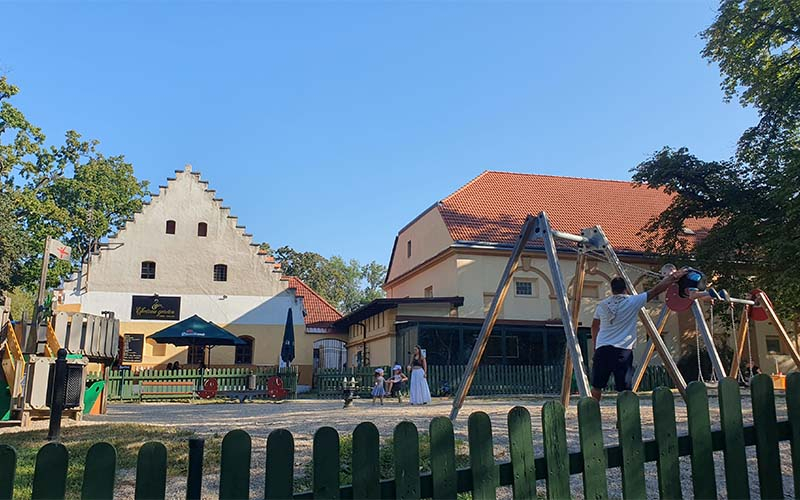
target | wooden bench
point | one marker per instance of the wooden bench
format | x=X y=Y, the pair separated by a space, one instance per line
x=182 y=389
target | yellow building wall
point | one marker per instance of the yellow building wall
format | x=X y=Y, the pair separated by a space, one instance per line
x=428 y=236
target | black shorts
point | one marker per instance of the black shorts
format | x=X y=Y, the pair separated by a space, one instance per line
x=609 y=359
x=397 y=387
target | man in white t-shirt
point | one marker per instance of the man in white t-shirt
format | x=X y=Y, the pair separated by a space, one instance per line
x=614 y=333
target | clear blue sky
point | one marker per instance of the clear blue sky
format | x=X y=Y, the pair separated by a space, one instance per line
x=328 y=126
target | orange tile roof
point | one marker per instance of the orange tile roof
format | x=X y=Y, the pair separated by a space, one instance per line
x=492 y=207
x=319 y=313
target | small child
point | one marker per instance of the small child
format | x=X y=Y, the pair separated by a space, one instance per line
x=379 y=391
x=397 y=383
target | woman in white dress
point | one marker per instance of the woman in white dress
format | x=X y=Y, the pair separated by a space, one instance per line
x=420 y=392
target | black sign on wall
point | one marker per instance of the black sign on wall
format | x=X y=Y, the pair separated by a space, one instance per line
x=133 y=347
x=155 y=307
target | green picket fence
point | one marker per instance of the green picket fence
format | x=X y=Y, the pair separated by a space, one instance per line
x=125 y=385
x=482 y=478
x=490 y=380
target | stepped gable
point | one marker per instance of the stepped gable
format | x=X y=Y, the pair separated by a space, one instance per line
x=492 y=207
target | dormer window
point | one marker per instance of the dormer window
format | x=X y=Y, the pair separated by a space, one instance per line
x=202 y=229
x=170 y=227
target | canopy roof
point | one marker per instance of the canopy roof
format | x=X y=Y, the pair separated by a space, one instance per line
x=196 y=331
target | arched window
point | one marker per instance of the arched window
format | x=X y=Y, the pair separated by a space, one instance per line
x=220 y=272
x=170 y=227
x=148 y=270
x=244 y=352
x=202 y=229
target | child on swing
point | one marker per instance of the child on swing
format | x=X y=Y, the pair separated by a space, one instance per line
x=397 y=383
x=379 y=391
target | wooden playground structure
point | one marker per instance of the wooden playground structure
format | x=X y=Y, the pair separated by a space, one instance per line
x=593 y=243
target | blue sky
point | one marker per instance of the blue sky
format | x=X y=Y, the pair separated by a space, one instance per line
x=328 y=126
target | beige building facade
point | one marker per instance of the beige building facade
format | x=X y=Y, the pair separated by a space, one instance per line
x=186 y=253
x=454 y=253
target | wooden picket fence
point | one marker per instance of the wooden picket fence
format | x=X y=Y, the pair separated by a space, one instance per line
x=125 y=385
x=484 y=475
x=490 y=380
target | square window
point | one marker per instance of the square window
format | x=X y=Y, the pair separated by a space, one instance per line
x=524 y=288
x=220 y=272
x=148 y=270
x=773 y=345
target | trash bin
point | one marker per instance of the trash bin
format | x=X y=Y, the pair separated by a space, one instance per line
x=251 y=382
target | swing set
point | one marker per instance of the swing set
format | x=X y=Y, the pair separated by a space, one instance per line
x=592 y=243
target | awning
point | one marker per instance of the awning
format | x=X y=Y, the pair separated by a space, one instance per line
x=196 y=331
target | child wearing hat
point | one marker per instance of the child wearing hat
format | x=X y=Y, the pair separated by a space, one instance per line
x=379 y=391
x=397 y=383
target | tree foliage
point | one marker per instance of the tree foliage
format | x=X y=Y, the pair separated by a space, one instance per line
x=753 y=197
x=345 y=284
x=70 y=192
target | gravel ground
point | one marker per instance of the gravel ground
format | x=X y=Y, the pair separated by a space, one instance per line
x=302 y=417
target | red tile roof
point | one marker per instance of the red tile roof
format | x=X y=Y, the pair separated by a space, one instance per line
x=492 y=207
x=319 y=313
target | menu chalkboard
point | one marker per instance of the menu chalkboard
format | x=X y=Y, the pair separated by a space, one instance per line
x=155 y=307
x=133 y=348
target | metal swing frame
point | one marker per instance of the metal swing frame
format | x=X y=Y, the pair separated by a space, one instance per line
x=590 y=239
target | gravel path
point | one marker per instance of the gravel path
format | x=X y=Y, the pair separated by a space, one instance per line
x=302 y=417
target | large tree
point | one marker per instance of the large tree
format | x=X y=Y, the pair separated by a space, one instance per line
x=69 y=191
x=754 y=196
x=345 y=284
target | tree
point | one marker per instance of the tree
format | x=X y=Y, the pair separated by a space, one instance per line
x=70 y=192
x=754 y=196
x=345 y=284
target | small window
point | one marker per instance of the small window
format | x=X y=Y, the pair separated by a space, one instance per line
x=591 y=290
x=429 y=292
x=195 y=355
x=170 y=227
x=220 y=272
x=244 y=353
x=773 y=345
x=202 y=229
x=526 y=288
x=148 y=270
x=408 y=249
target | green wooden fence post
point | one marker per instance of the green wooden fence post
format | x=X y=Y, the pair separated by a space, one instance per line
x=481 y=456
x=704 y=482
x=8 y=471
x=50 y=472
x=325 y=475
x=555 y=450
x=767 y=452
x=520 y=440
x=279 y=470
x=590 y=428
x=668 y=465
x=194 y=474
x=730 y=410
x=406 y=461
x=629 y=427
x=99 y=472
x=793 y=407
x=366 y=461
x=443 y=458
x=234 y=474
x=151 y=472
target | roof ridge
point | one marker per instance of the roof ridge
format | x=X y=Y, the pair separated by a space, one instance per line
x=531 y=174
x=313 y=292
x=470 y=182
